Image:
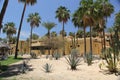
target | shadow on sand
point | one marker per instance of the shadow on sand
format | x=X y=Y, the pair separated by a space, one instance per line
x=14 y=70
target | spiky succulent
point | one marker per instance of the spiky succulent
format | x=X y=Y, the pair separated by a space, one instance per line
x=47 y=68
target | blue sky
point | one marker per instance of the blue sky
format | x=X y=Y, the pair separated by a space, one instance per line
x=46 y=9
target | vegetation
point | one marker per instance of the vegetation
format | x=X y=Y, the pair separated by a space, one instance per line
x=49 y=26
x=56 y=56
x=63 y=14
x=3 y=11
x=7 y=62
x=32 y=2
x=34 y=20
x=9 y=29
x=47 y=68
x=73 y=60
x=88 y=59
x=35 y=36
x=33 y=55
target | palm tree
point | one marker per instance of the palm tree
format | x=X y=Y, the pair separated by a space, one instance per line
x=2 y=13
x=53 y=34
x=34 y=20
x=31 y=2
x=63 y=14
x=110 y=31
x=79 y=33
x=35 y=36
x=99 y=30
x=9 y=29
x=82 y=18
x=49 y=26
x=105 y=9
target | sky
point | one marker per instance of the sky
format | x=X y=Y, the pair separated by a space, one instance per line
x=46 y=10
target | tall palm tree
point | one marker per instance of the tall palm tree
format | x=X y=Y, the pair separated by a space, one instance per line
x=104 y=10
x=82 y=18
x=99 y=30
x=63 y=14
x=49 y=26
x=9 y=29
x=2 y=13
x=31 y=2
x=34 y=20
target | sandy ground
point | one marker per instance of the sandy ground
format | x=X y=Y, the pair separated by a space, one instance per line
x=61 y=71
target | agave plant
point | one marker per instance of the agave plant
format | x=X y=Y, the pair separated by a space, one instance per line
x=47 y=68
x=88 y=59
x=24 y=67
x=74 y=52
x=73 y=61
x=33 y=55
x=56 y=56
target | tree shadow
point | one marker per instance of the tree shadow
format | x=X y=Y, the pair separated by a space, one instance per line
x=14 y=70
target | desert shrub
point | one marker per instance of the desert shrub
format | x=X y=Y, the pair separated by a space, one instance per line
x=112 y=61
x=74 y=53
x=73 y=61
x=47 y=68
x=56 y=56
x=89 y=59
x=24 y=67
x=33 y=55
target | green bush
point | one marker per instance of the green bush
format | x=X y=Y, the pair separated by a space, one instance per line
x=47 y=68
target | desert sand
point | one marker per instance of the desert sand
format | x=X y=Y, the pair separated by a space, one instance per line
x=61 y=71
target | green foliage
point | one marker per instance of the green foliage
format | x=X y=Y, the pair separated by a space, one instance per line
x=89 y=59
x=35 y=36
x=47 y=68
x=33 y=55
x=74 y=52
x=56 y=56
x=111 y=60
x=5 y=63
x=73 y=61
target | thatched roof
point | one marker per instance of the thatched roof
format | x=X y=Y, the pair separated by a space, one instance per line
x=4 y=45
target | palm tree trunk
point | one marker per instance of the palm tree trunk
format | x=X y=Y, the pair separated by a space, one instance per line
x=84 y=43
x=104 y=39
x=49 y=42
x=2 y=13
x=101 y=42
x=63 y=39
x=16 y=51
x=91 y=41
x=31 y=38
